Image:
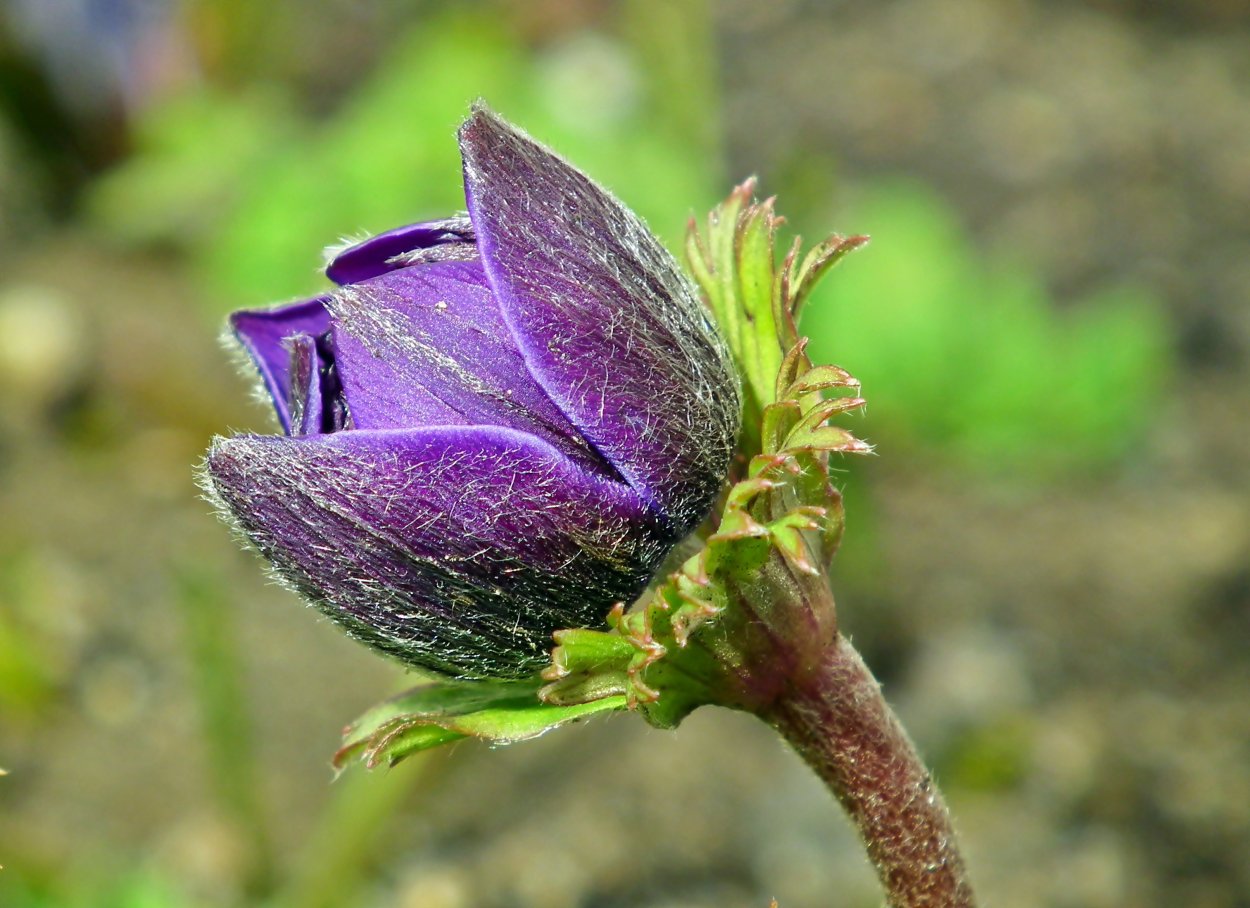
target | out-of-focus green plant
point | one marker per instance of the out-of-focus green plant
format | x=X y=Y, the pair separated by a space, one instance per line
x=969 y=361
x=24 y=682
x=989 y=756
x=33 y=652
x=221 y=695
x=129 y=889
x=192 y=156
x=268 y=186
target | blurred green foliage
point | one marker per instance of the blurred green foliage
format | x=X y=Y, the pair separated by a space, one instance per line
x=969 y=360
x=32 y=647
x=191 y=153
x=256 y=191
x=133 y=889
x=990 y=756
x=221 y=694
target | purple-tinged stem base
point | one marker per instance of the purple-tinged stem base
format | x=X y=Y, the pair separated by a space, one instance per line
x=840 y=724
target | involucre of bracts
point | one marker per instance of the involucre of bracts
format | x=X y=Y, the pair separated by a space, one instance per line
x=496 y=427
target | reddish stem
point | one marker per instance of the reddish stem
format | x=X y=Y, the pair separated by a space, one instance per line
x=840 y=724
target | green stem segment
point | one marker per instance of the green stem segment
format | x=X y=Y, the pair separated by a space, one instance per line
x=838 y=721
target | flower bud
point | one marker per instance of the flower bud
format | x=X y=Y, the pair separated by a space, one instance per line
x=497 y=425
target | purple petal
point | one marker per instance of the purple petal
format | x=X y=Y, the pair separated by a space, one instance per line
x=317 y=403
x=265 y=335
x=306 y=403
x=379 y=254
x=426 y=346
x=441 y=545
x=605 y=319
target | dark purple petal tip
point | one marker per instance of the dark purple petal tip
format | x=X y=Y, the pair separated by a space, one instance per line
x=394 y=248
x=265 y=335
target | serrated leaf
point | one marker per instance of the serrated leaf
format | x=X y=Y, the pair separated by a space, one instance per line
x=817 y=263
x=821 y=378
x=753 y=263
x=732 y=260
x=586 y=665
x=581 y=649
x=439 y=712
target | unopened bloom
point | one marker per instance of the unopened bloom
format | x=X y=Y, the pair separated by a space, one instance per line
x=496 y=427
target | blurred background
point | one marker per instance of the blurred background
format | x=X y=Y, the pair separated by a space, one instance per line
x=1048 y=561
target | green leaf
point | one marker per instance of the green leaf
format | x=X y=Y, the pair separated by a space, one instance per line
x=443 y=711
x=756 y=304
x=733 y=263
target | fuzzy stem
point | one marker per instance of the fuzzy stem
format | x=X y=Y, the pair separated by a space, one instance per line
x=839 y=722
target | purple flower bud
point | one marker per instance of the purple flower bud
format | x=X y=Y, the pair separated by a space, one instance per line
x=496 y=427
